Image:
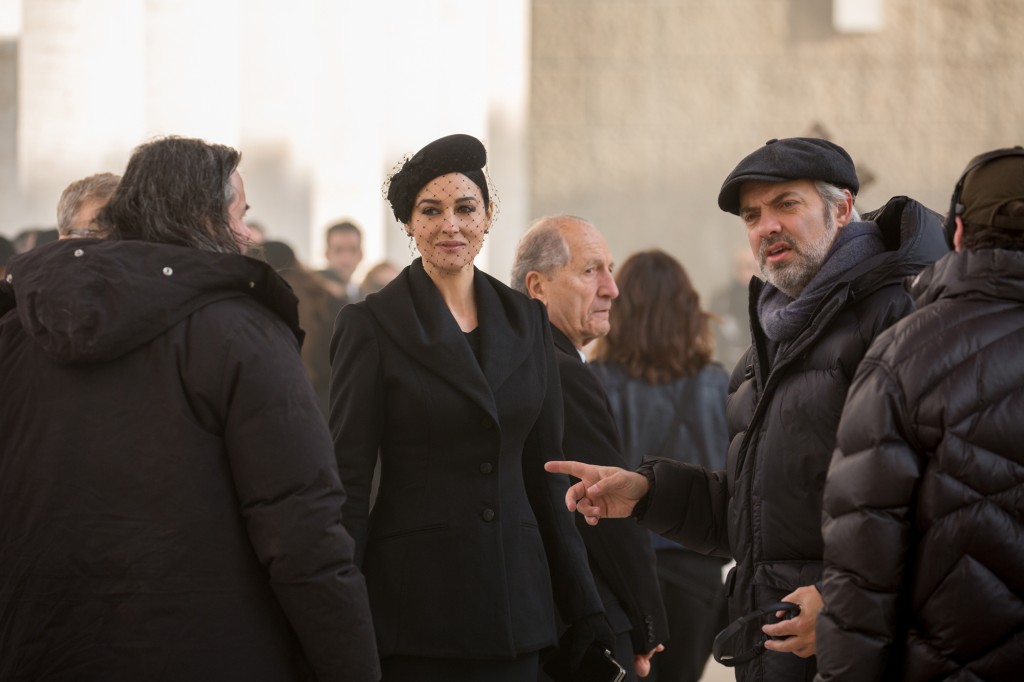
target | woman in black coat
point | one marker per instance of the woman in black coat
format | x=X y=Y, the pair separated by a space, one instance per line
x=668 y=399
x=451 y=377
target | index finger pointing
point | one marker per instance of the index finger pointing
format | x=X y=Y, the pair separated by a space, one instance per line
x=558 y=466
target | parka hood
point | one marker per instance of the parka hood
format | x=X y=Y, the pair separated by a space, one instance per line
x=990 y=273
x=913 y=238
x=88 y=300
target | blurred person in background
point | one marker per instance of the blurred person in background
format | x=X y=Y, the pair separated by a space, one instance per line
x=377 y=278
x=81 y=201
x=315 y=306
x=170 y=502
x=28 y=239
x=729 y=304
x=668 y=398
x=344 y=253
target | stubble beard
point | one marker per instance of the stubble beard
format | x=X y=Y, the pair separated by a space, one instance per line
x=791 y=278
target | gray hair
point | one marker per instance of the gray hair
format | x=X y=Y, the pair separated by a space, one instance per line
x=176 y=190
x=833 y=196
x=100 y=186
x=542 y=249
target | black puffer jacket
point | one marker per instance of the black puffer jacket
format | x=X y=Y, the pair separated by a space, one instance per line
x=765 y=509
x=924 y=504
x=170 y=508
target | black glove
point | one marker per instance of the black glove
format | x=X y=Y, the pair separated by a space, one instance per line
x=581 y=647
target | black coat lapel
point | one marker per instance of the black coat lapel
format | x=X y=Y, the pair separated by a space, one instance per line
x=563 y=344
x=412 y=313
x=508 y=328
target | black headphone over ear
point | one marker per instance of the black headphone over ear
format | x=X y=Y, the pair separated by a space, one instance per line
x=955 y=207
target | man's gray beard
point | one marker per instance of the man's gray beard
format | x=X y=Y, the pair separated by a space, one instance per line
x=792 y=278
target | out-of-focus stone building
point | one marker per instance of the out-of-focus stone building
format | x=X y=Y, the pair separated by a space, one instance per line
x=627 y=112
x=640 y=108
x=323 y=98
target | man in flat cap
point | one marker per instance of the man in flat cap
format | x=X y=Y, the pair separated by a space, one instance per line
x=834 y=282
x=923 y=513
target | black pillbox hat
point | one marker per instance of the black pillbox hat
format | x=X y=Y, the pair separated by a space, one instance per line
x=451 y=154
x=792 y=158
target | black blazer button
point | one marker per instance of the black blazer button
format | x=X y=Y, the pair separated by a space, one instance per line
x=487 y=514
x=486 y=468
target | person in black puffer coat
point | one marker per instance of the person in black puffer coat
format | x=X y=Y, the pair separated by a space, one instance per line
x=835 y=282
x=924 y=501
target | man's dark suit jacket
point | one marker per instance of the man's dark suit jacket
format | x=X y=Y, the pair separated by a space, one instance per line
x=469 y=544
x=621 y=557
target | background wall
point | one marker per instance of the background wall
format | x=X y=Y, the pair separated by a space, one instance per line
x=640 y=108
x=627 y=112
x=323 y=98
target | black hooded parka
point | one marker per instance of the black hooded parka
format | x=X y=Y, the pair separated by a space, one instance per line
x=170 y=508
x=924 y=503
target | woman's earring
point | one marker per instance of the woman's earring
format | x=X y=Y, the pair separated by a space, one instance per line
x=412 y=245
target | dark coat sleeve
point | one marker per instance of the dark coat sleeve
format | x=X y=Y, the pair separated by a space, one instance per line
x=620 y=551
x=356 y=415
x=290 y=495
x=573 y=584
x=689 y=504
x=872 y=483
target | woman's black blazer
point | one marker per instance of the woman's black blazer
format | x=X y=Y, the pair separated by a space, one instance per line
x=469 y=544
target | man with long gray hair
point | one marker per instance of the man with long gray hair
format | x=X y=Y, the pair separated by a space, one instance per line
x=170 y=501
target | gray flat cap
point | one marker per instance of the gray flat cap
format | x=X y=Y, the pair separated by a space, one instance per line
x=792 y=158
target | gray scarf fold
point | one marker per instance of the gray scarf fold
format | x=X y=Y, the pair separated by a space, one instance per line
x=783 y=317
